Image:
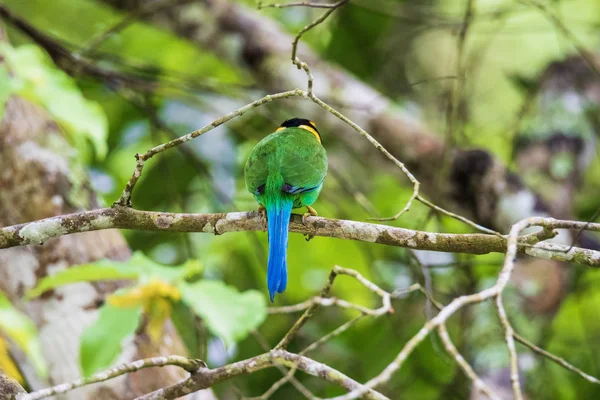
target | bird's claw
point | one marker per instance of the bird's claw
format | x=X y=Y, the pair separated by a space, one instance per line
x=263 y=211
x=311 y=212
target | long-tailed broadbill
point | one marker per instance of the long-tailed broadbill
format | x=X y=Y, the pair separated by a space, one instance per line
x=285 y=170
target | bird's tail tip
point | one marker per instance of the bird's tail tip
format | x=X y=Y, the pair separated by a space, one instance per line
x=278 y=221
x=280 y=289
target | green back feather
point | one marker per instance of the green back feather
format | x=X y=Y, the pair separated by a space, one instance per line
x=293 y=156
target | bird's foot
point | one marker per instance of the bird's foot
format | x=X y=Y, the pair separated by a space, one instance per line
x=311 y=212
x=263 y=211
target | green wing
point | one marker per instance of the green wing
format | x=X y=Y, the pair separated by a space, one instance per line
x=256 y=169
x=303 y=159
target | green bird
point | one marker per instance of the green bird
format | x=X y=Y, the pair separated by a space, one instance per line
x=285 y=170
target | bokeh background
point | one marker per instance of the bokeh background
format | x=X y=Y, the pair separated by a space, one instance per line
x=518 y=80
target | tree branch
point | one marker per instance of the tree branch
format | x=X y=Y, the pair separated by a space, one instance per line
x=9 y=388
x=556 y=359
x=188 y=364
x=38 y=232
x=208 y=377
x=493 y=292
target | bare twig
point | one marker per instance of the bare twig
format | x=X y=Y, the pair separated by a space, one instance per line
x=510 y=344
x=125 y=199
x=467 y=221
x=458 y=303
x=208 y=377
x=385 y=308
x=277 y=385
x=307 y=314
x=464 y=365
x=295 y=60
x=297 y=4
x=583 y=228
x=188 y=364
x=555 y=359
x=289 y=376
x=399 y=293
x=379 y=147
x=338 y=331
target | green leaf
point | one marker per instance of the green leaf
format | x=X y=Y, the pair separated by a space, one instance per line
x=149 y=269
x=186 y=323
x=22 y=331
x=228 y=314
x=101 y=342
x=102 y=270
x=138 y=266
x=39 y=80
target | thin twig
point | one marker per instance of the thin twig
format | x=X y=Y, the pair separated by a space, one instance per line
x=295 y=60
x=464 y=365
x=555 y=359
x=285 y=341
x=307 y=4
x=583 y=228
x=187 y=364
x=377 y=145
x=287 y=377
x=209 y=377
x=399 y=293
x=338 y=331
x=125 y=199
x=458 y=303
x=510 y=344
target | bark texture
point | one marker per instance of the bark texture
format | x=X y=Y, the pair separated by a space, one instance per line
x=9 y=388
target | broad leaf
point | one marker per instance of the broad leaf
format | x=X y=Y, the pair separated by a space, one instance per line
x=102 y=270
x=228 y=314
x=138 y=266
x=41 y=81
x=189 y=329
x=101 y=343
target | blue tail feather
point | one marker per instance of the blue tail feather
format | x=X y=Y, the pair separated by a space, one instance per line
x=278 y=216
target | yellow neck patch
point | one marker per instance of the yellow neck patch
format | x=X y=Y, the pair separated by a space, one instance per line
x=306 y=128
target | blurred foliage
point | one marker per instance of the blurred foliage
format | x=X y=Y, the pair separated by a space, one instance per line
x=37 y=79
x=17 y=327
x=407 y=50
x=156 y=290
x=101 y=342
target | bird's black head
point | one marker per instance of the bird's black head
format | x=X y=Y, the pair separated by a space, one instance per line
x=303 y=124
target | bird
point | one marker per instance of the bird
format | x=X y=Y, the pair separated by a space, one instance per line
x=285 y=170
